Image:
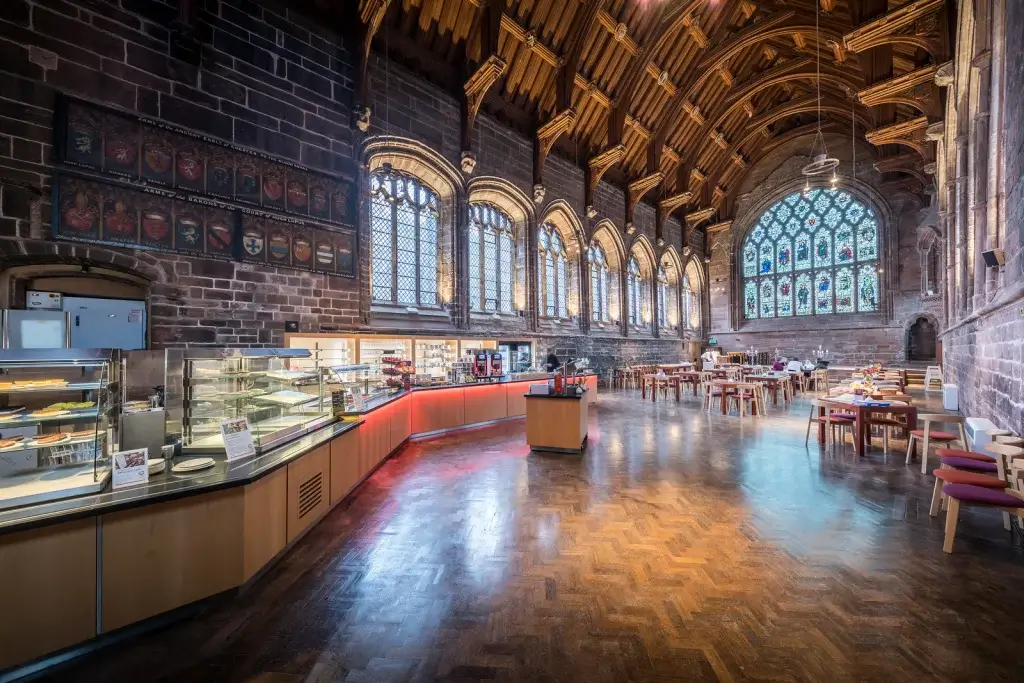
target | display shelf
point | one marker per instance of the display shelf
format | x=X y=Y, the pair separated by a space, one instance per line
x=68 y=417
x=76 y=386
x=27 y=445
x=286 y=398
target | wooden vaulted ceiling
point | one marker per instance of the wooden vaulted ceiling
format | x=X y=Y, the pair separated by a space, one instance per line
x=677 y=99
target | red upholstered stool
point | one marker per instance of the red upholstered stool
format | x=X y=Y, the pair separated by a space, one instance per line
x=971 y=494
x=958 y=453
x=948 y=476
x=929 y=435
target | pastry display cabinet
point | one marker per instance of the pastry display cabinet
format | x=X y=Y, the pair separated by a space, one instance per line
x=280 y=391
x=58 y=417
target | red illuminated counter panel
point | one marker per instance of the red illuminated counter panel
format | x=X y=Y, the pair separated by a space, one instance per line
x=432 y=410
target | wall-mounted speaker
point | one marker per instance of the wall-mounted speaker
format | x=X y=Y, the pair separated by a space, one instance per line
x=993 y=257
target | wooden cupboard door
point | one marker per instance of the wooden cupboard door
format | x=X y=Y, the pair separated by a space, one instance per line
x=166 y=555
x=265 y=521
x=47 y=590
x=345 y=472
x=309 y=484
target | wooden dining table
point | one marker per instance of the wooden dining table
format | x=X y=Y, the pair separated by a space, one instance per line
x=654 y=381
x=861 y=413
x=773 y=383
x=732 y=384
x=691 y=378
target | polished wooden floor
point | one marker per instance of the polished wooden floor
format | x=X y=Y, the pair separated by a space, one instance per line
x=682 y=547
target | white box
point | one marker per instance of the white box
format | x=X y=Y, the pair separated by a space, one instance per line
x=539 y=389
x=950 y=397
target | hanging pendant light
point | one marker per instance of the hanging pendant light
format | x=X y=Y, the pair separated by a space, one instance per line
x=821 y=162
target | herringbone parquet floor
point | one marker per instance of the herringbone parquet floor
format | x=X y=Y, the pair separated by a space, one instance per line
x=682 y=547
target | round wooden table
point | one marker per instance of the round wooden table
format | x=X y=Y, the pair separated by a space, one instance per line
x=654 y=381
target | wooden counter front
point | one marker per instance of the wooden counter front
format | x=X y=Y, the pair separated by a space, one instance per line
x=485 y=403
x=555 y=423
x=47 y=590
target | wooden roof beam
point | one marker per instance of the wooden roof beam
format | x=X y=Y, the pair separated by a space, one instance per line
x=486 y=75
x=560 y=124
x=371 y=15
x=636 y=190
x=695 y=218
x=569 y=68
x=908 y=133
x=596 y=168
x=916 y=89
x=873 y=33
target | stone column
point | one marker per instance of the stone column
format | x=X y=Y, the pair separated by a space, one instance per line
x=960 y=218
x=979 y=176
x=995 y=198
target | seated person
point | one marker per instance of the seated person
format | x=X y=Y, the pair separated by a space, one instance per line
x=794 y=366
x=778 y=365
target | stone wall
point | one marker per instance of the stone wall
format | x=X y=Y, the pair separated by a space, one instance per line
x=272 y=81
x=984 y=353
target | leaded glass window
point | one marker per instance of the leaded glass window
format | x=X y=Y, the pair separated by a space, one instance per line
x=636 y=291
x=403 y=240
x=691 y=298
x=601 y=284
x=491 y=259
x=664 y=289
x=813 y=253
x=552 y=273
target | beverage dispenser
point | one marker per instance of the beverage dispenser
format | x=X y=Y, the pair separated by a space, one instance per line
x=496 y=364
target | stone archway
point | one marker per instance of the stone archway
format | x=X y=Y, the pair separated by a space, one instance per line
x=922 y=340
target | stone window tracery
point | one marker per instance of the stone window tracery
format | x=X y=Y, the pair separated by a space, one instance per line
x=812 y=253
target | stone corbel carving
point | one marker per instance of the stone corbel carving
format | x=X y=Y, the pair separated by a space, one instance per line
x=591 y=211
x=468 y=163
x=630 y=228
x=944 y=75
x=538 y=194
x=363 y=119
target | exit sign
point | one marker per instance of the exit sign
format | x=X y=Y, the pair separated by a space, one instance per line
x=714 y=342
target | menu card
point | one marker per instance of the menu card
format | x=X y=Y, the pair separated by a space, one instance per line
x=237 y=438
x=130 y=468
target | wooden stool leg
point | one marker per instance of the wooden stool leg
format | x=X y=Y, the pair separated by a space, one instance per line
x=952 y=512
x=910 y=448
x=936 y=498
x=924 y=454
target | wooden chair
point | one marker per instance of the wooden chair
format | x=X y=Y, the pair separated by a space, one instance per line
x=752 y=392
x=928 y=435
x=830 y=422
x=709 y=391
x=820 y=380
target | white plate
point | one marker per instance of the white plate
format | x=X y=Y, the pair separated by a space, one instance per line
x=156 y=465
x=193 y=464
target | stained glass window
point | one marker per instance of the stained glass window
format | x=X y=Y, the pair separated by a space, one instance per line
x=602 y=284
x=636 y=290
x=491 y=259
x=828 y=240
x=553 y=273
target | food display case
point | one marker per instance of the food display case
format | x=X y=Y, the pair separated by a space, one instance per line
x=58 y=423
x=280 y=392
x=434 y=359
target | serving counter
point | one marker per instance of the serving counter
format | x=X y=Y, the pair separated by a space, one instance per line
x=557 y=422
x=81 y=568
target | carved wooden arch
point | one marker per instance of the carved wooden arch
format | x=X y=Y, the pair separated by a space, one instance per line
x=560 y=214
x=768 y=79
x=803 y=106
x=772 y=26
x=607 y=235
x=668 y=27
x=932 y=47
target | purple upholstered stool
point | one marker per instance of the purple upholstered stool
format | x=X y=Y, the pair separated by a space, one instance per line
x=975 y=495
x=969 y=464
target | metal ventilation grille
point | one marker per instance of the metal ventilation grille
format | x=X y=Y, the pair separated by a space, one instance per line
x=311 y=492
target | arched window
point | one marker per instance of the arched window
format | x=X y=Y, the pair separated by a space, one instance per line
x=691 y=298
x=552 y=273
x=492 y=259
x=404 y=241
x=813 y=253
x=636 y=290
x=666 y=298
x=600 y=284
